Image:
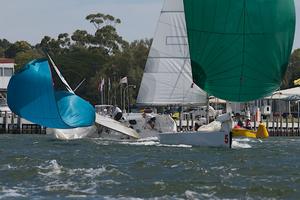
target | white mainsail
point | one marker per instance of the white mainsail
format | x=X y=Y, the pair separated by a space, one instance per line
x=167 y=78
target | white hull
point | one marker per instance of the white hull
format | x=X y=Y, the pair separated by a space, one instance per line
x=72 y=134
x=199 y=138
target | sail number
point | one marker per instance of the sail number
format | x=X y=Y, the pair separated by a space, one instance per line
x=226 y=139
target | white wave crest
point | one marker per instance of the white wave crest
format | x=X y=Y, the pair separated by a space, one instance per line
x=50 y=168
x=10 y=193
x=240 y=145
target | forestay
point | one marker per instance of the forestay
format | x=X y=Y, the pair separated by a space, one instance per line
x=167 y=78
x=240 y=49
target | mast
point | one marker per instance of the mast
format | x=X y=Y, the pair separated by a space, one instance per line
x=62 y=78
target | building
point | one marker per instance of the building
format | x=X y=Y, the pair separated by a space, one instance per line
x=6 y=72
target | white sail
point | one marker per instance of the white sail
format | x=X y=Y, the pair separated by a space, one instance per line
x=167 y=78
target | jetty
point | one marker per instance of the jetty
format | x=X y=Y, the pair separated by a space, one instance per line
x=287 y=126
x=13 y=124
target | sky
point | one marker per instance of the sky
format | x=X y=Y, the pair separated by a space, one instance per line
x=31 y=20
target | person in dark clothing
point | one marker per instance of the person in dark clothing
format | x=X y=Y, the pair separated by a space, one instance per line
x=240 y=123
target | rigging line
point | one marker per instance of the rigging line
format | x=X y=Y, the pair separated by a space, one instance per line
x=79 y=84
x=172 y=25
x=165 y=82
x=172 y=11
x=186 y=72
x=166 y=57
x=180 y=74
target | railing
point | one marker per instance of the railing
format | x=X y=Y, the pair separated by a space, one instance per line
x=13 y=124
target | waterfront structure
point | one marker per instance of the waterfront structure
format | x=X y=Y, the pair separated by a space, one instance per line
x=6 y=72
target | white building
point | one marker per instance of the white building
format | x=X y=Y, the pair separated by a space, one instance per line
x=6 y=72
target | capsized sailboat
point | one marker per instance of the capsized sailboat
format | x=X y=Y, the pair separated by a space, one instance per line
x=32 y=96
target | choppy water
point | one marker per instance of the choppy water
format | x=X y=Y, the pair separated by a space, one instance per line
x=38 y=167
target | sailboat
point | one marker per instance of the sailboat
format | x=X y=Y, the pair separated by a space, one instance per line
x=237 y=51
x=167 y=78
x=32 y=95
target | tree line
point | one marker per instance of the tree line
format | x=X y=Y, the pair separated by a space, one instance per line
x=97 y=56
x=102 y=55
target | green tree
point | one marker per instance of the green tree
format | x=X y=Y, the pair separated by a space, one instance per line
x=19 y=46
x=2 y=52
x=64 y=40
x=25 y=56
x=100 y=20
x=293 y=70
x=50 y=45
x=4 y=43
x=103 y=54
x=81 y=38
x=106 y=36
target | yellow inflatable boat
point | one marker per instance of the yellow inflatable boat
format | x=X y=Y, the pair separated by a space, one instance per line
x=261 y=132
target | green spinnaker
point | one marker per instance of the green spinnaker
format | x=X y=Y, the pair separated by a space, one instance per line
x=240 y=49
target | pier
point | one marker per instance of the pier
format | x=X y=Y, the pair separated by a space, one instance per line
x=13 y=124
x=278 y=127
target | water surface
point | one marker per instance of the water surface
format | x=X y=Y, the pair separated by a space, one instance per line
x=39 y=167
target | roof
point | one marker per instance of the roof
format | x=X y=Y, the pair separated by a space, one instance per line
x=6 y=60
x=285 y=94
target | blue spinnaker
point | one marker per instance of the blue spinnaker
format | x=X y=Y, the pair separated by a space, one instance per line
x=31 y=95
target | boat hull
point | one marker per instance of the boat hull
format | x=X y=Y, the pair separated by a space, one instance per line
x=73 y=134
x=199 y=138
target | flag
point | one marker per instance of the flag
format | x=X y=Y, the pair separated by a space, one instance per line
x=109 y=85
x=101 y=85
x=297 y=82
x=124 y=80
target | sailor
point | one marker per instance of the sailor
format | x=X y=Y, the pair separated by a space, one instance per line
x=149 y=121
x=197 y=126
x=117 y=114
x=248 y=124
